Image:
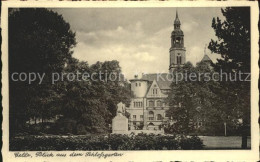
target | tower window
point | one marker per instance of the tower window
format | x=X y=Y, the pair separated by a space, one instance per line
x=178 y=40
x=178 y=59
x=136 y=84
x=140 y=84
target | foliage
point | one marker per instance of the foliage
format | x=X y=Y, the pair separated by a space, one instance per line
x=233 y=42
x=105 y=142
x=192 y=143
x=190 y=100
x=233 y=45
x=40 y=41
x=92 y=103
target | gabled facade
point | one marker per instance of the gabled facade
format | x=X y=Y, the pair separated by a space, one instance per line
x=148 y=107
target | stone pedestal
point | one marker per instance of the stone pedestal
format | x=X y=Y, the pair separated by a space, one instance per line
x=120 y=124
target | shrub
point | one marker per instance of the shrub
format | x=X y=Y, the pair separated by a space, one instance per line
x=144 y=142
x=191 y=143
x=171 y=143
x=120 y=142
x=105 y=142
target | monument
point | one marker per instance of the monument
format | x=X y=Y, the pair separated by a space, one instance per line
x=120 y=122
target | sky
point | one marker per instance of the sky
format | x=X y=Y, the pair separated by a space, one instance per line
x=139 y=38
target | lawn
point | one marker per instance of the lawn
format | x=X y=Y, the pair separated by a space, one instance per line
x=222 y=142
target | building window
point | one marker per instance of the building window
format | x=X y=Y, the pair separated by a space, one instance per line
x=138 y=104
x=140 y=84
x=159 y=117
x=151 y=103
x=151 y=115
x=159 y=103
x=136 y=84
x=141 y=116
x=134 y=117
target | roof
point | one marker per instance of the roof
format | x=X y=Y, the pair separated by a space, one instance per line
x=138 y=80
x=163 y=79
x=206 y=58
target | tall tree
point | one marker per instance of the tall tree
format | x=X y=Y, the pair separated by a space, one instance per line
x=91 y=103
x=40 y=41
x=233 y=45
x=192 y=98
x=181 y=100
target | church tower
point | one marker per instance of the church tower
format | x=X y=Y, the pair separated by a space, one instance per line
x=177 y=50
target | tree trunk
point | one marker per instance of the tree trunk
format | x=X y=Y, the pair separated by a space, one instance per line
x=225 y=125
x=244 y=141
x=244 y=136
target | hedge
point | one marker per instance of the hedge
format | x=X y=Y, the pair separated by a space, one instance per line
x=103 y=142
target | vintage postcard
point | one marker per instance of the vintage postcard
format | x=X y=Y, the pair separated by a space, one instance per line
x=130 y=81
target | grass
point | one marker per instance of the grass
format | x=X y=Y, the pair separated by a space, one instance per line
x=222 y=142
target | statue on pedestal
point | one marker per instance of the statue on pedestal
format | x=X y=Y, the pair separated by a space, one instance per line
x=120 y=122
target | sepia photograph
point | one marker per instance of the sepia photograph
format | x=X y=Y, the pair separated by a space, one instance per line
x=129 y=79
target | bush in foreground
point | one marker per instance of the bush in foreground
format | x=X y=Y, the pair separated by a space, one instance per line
x=102 y=142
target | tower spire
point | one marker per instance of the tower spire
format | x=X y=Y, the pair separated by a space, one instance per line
x=206 y=57
x=205 y=49
x=177 y=21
